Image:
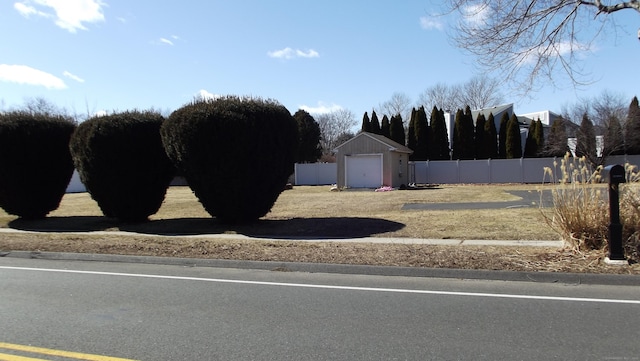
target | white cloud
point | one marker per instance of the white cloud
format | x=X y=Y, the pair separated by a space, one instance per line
x=23 y=74
x=69 y=14
x=205 y=95
x=100 y=113
x=288 y=53
x=166 y=41
x=476 y=14
x=560 y=49
x=73 y=76
x=321 y=108
x=430 y=23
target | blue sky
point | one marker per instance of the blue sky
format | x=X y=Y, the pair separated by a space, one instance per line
x=91 y=55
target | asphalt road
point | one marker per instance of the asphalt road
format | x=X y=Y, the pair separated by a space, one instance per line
x=168 y=312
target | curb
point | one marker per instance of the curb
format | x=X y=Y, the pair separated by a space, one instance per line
x=539 y=277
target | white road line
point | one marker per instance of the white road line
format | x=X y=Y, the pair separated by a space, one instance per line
x=332 y=287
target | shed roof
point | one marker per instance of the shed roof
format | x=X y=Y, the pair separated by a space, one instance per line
x=393 y=146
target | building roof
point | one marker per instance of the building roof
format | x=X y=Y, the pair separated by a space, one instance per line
x=498 y=109
x=393 y=146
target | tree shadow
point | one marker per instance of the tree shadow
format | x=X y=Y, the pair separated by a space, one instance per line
x=295 y=228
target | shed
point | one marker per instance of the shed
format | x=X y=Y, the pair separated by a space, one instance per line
x=370 y=160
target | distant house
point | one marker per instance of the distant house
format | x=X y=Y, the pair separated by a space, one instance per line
x=370 y=160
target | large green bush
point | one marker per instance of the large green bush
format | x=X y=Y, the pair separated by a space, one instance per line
x=121 y=161
x=236 y=153
x=35 y=164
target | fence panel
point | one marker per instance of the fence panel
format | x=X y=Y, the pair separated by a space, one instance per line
x=316 y=173
x=506 y=171
x=474 y=171
x=442 y=171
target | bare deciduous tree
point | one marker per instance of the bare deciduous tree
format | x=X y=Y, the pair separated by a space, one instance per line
x=333 y=125
x=477 y=93
x=532 y=38
x=400 y=103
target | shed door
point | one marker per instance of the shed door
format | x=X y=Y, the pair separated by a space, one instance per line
x=364 y=171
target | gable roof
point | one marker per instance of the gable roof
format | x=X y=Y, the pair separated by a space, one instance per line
x=498 y=109
x=393 y=146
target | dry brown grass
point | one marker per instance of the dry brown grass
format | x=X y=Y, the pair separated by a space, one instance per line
x=315 y=212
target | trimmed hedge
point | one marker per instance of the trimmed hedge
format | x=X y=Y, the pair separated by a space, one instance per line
x=122 y=163
x=236 y=153
x=35 y=164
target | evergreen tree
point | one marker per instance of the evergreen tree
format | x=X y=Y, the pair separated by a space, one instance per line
x=586 y=140
x=411 y=134
x=366 y=123
x=632 y=128
x=385 y=128
x=422 y=134
x=502 y=136
x=397 y=129
x=613 y=138
x=309 y=150
x=457 y=139
x=491 y=137
x=556 y=142
x=468 y=135
x=530 y=145
x=440 y=136
x=375 y=123
x=514 y=141
x=538 y=136
x=481 y=150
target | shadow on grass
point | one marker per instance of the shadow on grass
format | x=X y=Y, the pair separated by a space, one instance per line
x=296 y=228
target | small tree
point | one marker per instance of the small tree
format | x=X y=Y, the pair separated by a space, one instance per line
x=397 y=130
x=502 y=136
x=586 y=141
x=491 y=137
x=514 y=141
x=385 y=128
x=309 y=149
x=411 y=134
x=366 y=123
x=481 y=149
x=375 y=123
x=440 y=136
x=556 y=142
x=422 y=134
x=531 y=145
x=35 y=164
x=463 y=137
x=613 y=138
x=632 y=128
x=122 y=163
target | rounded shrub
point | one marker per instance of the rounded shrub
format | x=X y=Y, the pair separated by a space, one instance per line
x=35 y=164
x=236 y=153
x=122 y=163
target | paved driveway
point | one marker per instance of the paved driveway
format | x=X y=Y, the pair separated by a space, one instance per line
x=528 y=199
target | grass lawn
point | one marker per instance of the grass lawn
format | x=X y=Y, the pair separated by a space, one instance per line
x=309 y=212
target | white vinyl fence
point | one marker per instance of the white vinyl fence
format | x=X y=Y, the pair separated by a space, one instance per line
x=524 y=170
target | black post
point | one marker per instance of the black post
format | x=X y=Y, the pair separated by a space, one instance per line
x=616 y=252
x=615 y=174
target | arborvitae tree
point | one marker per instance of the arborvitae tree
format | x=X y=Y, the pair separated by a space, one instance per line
x=375 y=123
x=385 y=128
x=457 y=131
x=422 y=134
x=530 y=145
x=481 y=150
x=440 y=136
x=502 y=136
x=213 y=141
x=309 y=149
x=538 y=136
x=586 y=140
x=122 y=162
x=468 y=136
x=613 y=138
x=491 y=137
x=396 y=130
x=514 y=141
x=366 y=123
x=35 y=164
x=411 y=134
x=632 y=128
x=556 y=142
